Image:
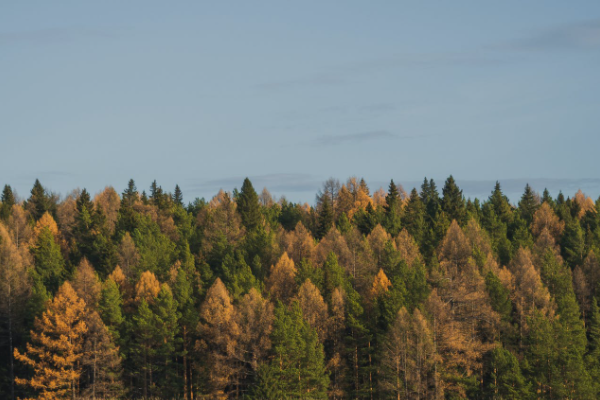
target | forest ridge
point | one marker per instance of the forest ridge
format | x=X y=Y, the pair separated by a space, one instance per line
x=384 y=295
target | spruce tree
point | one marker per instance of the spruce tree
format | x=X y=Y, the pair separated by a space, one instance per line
x=392 y=209
x=7 y=200
x=453 y=202
x=110 y=308
x=414 y=217
x=528 y=205
x=39 y=202
x=178 y=196
x=325 y=219
x=248 y=206
x=49 y=263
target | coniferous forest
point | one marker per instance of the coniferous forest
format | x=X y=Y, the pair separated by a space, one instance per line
x=365 y=295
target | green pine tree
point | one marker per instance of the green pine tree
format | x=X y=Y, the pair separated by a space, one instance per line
x=49 y=262
x=414 y=218
x=8 y=200
x=393 y=207
x=248 y=207
x=453 y=201
x=528 y=205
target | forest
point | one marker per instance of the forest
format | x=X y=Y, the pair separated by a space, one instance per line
x=364 y=295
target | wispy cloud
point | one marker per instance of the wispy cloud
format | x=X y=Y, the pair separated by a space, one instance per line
x=334 y=140
x=53 y=35
x=279 y=183
x=318 y=79
x=582 y=35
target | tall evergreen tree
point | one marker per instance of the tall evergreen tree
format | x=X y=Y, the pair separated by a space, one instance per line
x=393 y=207
x=39 y=202
x=453 y=201
x=178 y=196
x=248 y=206
x=325 y=219
x=528 y=204
x=7 y=200
x=414 y=218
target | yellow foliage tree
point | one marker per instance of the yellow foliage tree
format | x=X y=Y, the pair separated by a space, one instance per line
x=281 y=281
x=381 y=284
x=147 y=288
x=57 y=347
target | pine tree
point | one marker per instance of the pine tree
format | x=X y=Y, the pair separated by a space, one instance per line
x=248 y=206
x=453 y=201
x=57 y=347
x=393 y=208
x=110 y=308
x=528 y=204
x=39 y=202
x=325 y=218
x=178 y=196
x=298 y=354
x=49 y=263
x=7 y=201
x=414 y=218
x=503 y=378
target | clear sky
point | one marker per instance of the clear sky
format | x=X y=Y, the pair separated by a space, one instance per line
x=290 y=93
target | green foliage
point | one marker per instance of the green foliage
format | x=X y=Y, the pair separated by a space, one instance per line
x=503 y=377
x=298 y=362
x=414 y=217
x=7 y=200
x=49 y=262
x=110 y=308
x=453 y=201
x=248 y=207
x=499 y=296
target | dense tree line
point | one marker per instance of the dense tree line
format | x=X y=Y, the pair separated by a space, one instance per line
x=380 y=295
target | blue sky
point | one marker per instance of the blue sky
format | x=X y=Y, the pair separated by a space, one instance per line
x=205 y=93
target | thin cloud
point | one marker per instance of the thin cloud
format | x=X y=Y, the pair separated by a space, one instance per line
x=320 y=79
x=583 y=35
x=52 y=35
x=279 y=183
x=334 y=140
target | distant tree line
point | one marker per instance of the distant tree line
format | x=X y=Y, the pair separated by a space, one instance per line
x=384 y=295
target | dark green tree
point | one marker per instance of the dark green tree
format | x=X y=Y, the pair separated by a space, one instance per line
x=49 y=262
x=248 y=206
x=110 y=308
x=178 y=196
x=503 y=378
x=325 y=219
x=393 y=207
x=8 y=200
x=414 y=218
x=453 y=201
x=39 y=202
x=528 y=205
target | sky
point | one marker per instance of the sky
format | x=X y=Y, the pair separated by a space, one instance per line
x=203 y=94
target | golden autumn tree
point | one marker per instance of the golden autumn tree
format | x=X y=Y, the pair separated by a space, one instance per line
x=147 y=288
x=545 y=218
x=128 y=254
x=109 y=201
x=281 y=281
x=407 y=247
x=218 y=330
x=314 y=309
x=57 y=347
x=87 y=284
x=299 y=244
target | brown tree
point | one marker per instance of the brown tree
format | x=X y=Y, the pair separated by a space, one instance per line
x=128 y=255
x=544 y=218
x=408 y=248
x=109 y=202
x=254 y=318
x=314 y=309
x=281 y=281
x=87 y=284
x=219 y=331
